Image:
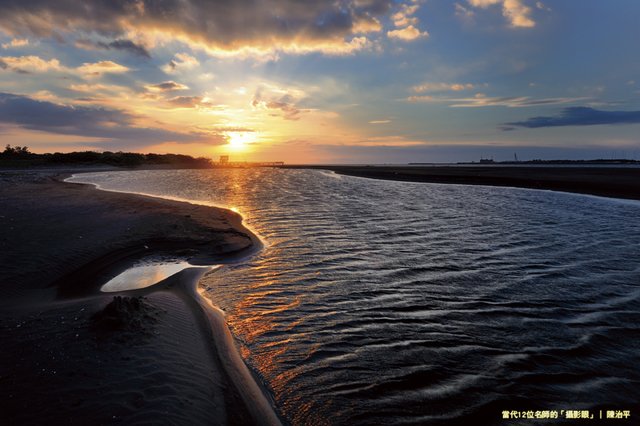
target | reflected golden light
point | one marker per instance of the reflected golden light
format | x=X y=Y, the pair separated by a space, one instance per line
x=238 y=141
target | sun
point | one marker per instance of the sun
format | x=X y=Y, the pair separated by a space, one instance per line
x=238 y=141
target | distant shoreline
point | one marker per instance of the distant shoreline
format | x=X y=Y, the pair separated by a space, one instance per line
x=604 y=181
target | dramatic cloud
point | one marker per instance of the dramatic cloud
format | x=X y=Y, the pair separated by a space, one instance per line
x=167 y=86
x=516 y=12
x=581 y=116
x=124 y=45
x=102 y=123
x=231 y=26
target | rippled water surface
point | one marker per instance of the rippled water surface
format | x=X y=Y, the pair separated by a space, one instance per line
x=378 y=302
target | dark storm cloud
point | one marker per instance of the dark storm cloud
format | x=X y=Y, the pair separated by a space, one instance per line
x=581 y=116
x=105 y=123
x=120 y=44
x=224 y=24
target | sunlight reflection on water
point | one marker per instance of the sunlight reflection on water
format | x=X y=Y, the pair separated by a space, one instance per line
x=381 y=302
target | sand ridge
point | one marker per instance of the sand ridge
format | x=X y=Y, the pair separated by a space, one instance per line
x=58 y=243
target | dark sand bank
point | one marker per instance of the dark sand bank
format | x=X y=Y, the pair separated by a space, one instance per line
x=617 y=182
x=68 y=357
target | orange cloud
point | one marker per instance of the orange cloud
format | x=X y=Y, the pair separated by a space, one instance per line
x=405 y=23
x=516 y=12
x=16 y=42
x=102 y=67
x=409 y=33
x=28 y=64
x=404 y=16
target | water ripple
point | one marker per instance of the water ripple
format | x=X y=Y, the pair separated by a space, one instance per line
x=396 y=303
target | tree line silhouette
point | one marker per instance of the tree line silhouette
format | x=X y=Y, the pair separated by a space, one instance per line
x=21 y=156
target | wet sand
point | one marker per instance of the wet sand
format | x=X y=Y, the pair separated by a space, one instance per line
x=616 y=182
x=74 y=355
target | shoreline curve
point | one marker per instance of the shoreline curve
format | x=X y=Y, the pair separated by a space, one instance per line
x=257 y=403
x=164 y=355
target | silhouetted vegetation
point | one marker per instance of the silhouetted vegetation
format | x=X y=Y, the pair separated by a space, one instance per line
x=16 y=152
x=21 y=156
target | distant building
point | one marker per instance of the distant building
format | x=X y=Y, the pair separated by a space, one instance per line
x=224 y=159
x=486 y=161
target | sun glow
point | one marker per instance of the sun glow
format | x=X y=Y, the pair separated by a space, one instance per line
x=239 y=141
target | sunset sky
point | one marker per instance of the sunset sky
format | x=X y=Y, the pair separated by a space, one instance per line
x=351 y=81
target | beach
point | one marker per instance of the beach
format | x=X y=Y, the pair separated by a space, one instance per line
x=378 y=301
x=74 y=355
x=357 y=313
x=605 y=181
